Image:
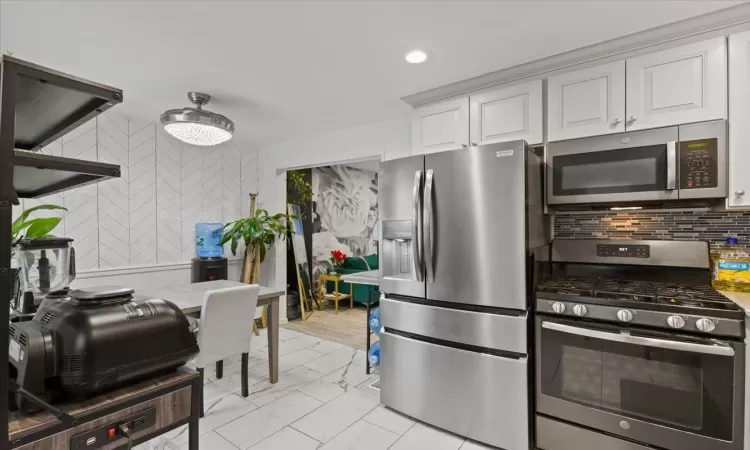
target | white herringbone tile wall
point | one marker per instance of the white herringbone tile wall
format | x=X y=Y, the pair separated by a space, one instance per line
x=147 y=216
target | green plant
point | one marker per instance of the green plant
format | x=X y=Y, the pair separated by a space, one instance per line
x=257 y=232
x=295 y=181
x=23 y=227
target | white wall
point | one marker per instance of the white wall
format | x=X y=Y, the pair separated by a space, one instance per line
x=145 y=218
x=384 y=140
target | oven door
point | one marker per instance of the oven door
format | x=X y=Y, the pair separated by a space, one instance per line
x=670 y=391
x=624 y=167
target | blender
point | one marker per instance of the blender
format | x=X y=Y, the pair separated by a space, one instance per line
x=47 y=267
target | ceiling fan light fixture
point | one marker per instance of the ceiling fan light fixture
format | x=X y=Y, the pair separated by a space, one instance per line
x=197 y=126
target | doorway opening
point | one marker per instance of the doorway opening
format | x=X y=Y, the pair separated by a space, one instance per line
x=336 y=235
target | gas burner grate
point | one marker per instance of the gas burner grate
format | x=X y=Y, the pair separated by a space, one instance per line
x=568 y=285
x=698 y=295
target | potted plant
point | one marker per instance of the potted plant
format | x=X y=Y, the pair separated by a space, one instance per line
x=257 y=232
x=23 y=227
x=296 y=183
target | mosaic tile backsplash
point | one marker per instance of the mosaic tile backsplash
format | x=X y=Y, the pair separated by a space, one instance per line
x=712 y=226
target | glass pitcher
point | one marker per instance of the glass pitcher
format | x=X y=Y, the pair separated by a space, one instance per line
x=46 y=265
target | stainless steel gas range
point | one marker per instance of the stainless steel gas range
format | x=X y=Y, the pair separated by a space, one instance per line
x=635 y=350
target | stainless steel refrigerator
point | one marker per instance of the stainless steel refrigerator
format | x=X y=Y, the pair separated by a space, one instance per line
x=459 y=231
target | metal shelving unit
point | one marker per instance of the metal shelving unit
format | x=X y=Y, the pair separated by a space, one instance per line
x=37 y=106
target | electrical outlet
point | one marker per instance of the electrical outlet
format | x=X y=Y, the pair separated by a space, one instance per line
x=106 y=434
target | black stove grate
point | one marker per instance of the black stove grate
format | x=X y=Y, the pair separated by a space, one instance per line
x=697 y=295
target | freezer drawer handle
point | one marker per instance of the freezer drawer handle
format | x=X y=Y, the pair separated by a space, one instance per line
x=429 y=228
x=720 y=350
x=416 y=234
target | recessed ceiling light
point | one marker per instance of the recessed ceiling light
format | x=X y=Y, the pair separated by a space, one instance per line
x=417 y=56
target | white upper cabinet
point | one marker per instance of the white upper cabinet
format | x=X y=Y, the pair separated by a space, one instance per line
x=679 y=85
x=586 y=102
x=739 y=119
x=440 y=126
x=507 y=114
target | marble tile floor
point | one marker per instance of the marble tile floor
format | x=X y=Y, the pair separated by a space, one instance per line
x=323 y=400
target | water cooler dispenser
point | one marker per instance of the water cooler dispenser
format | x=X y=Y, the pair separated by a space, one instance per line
x=209 y=263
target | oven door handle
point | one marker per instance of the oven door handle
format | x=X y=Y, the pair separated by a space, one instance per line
x=720 y=350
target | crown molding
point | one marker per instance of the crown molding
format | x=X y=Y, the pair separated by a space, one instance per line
x=729 y=19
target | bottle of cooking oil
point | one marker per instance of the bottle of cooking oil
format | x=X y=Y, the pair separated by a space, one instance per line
x=731 y=267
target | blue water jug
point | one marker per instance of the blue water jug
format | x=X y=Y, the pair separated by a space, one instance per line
x=375 y=321
x=208 y=240
x=373 y=355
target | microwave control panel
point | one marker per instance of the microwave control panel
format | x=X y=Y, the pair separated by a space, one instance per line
x=699 y=168
x=623 y=251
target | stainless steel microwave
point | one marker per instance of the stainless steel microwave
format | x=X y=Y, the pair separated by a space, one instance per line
x=674 y=163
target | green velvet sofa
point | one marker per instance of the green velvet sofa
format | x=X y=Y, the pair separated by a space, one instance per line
x=362 y=292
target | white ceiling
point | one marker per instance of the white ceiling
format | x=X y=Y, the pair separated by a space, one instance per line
x=282 y=69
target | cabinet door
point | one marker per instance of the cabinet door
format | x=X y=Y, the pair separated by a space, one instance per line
x=439 y=127
x=679 y=85
x=587 y=102
x=507 y=114
x=739 y=119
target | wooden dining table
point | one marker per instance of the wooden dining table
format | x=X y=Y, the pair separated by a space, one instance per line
x=189 y=298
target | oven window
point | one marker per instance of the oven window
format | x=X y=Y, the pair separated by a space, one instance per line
x=639 y=169
x=677 y=389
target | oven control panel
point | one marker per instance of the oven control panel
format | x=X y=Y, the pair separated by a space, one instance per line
x=576 y=310
x=623 y=251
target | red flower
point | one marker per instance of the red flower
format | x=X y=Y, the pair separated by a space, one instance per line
x=337 y=257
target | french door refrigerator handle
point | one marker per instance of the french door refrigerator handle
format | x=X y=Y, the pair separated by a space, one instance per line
x=639 y=340
x=671 y=165
x=429 y=228
x=417 y=226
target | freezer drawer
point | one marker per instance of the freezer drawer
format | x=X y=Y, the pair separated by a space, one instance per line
x=500 y=332
x=479 y=396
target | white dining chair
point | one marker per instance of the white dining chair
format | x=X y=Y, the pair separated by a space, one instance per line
x=224 y=329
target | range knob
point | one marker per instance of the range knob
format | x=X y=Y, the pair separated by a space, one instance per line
x=580 y=310
x=558 y=307
x=675 y=321
x=625 y=315
x=705 y=325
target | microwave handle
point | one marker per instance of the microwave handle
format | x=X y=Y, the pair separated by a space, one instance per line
x=639 y=340
x=671 y=165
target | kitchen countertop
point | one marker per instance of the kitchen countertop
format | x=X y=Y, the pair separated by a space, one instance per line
x=742 y=299
x=371 y=277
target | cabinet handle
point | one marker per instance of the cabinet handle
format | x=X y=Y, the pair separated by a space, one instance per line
x=474 y=144
x=739 y=192
x=616 y=122
x=463 y=145
x=632 y=119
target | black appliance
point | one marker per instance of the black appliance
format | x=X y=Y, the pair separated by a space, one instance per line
x=686 y=162
x=85 y=342
x=208 y=269
x=635 y=350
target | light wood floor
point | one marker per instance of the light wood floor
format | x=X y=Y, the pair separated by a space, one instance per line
x=347 y=327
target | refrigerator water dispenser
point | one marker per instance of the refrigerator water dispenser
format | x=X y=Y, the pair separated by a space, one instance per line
x=398 y=245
